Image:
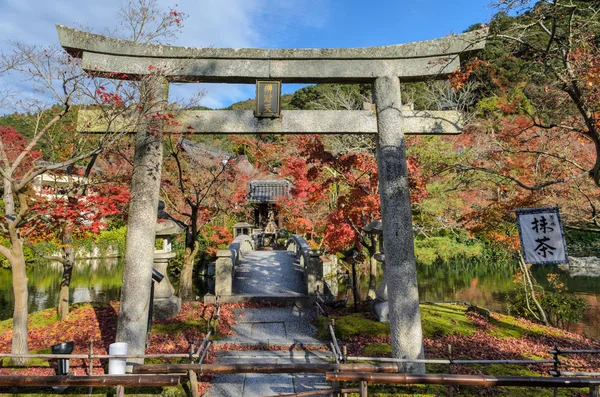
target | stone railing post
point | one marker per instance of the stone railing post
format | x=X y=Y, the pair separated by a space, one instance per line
x=223 y=273
x=314 y=272
x=166 y=304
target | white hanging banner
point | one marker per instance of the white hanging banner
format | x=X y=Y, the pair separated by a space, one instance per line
x=542 y=238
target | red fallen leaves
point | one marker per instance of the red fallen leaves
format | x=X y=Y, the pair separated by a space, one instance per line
x=483 y=345
x=99 y=323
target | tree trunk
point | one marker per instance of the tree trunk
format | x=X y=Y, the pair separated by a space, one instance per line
x=16 y=258
x=372 y=278
x=19 y=277
x=529 y=286
x=65 y=282
x=186 y=277
x=373 y=264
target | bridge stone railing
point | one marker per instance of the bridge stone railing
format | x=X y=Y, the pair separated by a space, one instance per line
x=227 y=261
x=311 y=262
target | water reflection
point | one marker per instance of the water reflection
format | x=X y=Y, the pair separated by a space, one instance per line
x=491 y=285
x=484 y=284
x=94 y=280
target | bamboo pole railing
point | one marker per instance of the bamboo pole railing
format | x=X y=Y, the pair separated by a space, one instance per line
x=463 y=380
x=89 y=380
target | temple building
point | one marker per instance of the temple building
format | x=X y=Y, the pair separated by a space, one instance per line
x=264 y=195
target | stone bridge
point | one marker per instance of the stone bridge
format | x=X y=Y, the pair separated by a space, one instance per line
x=243 y=274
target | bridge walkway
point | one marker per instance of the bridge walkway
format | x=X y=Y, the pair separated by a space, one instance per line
x=270 y=335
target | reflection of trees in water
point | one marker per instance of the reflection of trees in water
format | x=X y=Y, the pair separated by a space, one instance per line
x=95 y=280
x=573 y=284
x=490 y=285
x=475 y=281
x=585 y=287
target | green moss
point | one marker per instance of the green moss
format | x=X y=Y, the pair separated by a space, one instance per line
x=355 y=324
x=176 y=329
x=378 y=349
x=42 y=318
x=321 y=324
x=442 y=320
x=35 y=320
x=402 y=390
x=437 y=320
x=504 y=370
x=6 y=325
x=511 y=327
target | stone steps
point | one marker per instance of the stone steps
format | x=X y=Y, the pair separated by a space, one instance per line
x=270 y=299
x=255 y=385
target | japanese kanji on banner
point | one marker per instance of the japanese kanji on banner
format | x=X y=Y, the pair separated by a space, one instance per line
x=542 y=238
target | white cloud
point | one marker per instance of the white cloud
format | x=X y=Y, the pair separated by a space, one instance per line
x=211 y=23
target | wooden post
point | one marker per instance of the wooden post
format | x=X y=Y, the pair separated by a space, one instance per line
x=364 y=386
x=193 y=384
x=120 y=391
x=193 y=377
x=91 y=360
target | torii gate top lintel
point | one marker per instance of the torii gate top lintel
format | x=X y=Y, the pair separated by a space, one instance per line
x=411 y=61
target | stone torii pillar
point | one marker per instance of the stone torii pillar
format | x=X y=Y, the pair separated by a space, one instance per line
x=384 y=67
x=401 y=272
x=143 y=208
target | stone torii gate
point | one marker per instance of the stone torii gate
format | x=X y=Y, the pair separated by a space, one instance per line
x=384 y=67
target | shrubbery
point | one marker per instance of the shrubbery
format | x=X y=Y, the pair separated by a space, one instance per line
x=561 y=307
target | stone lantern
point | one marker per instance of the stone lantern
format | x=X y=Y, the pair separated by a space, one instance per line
x=242 y=228
x=166 y=304
x=380 y=306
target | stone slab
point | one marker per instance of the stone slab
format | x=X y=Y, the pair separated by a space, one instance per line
x=313 y=356
x=268 y=272
x=290 y=122
x=247 y=71
x=227 y=385
x=269 y=384
x=285 y=314
x=76 y=41
x=310 y=382
x=294 y=299
x=267 y=330
x=257 y=385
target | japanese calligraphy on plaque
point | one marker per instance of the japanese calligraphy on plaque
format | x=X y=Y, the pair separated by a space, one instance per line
x=542 y=238
x=268 y=94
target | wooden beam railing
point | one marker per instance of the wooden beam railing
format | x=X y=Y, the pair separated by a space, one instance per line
x=261 y=368
x=463 y=380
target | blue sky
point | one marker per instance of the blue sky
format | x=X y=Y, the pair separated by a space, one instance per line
x=251 y=23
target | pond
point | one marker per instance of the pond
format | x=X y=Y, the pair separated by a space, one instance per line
x=94 y=280
x=486 y=285
x=491 y=286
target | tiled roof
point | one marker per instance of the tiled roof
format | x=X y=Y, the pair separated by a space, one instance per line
x=268 y=190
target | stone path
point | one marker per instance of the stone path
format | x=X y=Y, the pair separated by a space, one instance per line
x=270 y=273
x=260 y=385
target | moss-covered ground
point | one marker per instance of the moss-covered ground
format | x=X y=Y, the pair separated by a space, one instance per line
x=472 y=335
